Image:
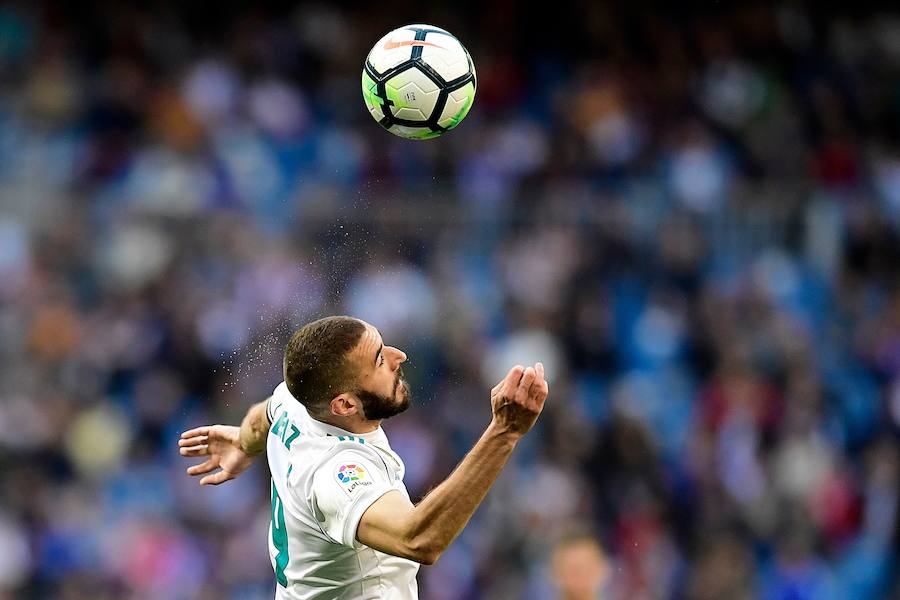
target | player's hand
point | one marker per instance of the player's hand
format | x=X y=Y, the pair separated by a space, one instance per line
x=222 y=444
x=517 y=401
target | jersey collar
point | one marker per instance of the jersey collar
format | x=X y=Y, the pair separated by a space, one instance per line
x=375 y=437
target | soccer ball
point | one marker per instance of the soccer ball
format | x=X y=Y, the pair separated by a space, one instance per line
x=418 y=82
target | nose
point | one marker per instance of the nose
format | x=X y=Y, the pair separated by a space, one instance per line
x=398 y=355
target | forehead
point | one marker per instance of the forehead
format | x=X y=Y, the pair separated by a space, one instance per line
x=582 y=548
x=368 y=344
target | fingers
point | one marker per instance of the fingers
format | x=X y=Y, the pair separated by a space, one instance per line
x=217 y=478
x=532 y=389
x=204 y=467
x=523 y=391
x=540 y=388
x=540 y=384
x=193 y=451
x=204 y=431
x=193 y=441
x=510 y=382
x=207 y=467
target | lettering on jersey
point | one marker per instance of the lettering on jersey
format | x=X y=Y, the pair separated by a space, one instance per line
x=280 y=422
x=285 y=430
x=352 y=476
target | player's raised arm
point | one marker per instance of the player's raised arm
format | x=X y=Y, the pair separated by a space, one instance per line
x=230 y=448
x=422 y=532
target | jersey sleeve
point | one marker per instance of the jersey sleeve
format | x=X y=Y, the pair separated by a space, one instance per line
x=343 y=488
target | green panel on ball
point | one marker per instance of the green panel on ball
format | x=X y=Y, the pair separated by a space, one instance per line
x=392 y=89
x=414 y=133
x=370 y=91
x=470 y=97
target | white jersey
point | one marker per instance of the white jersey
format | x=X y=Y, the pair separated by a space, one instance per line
x=323 y=480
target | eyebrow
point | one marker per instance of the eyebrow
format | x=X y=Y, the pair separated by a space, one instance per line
x=377 y=354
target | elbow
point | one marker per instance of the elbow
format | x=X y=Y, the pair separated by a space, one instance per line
x=425 y=552
x=427 y=558
x=423 y=541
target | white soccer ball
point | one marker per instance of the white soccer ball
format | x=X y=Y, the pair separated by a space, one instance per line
x=418 y=82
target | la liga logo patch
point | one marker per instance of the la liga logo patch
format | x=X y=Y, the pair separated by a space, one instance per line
x=348 y=473
x=352 y=476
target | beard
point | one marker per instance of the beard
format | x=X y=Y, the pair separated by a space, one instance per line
x=377 y=406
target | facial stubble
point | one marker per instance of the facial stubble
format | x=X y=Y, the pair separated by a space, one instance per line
x=377 y=406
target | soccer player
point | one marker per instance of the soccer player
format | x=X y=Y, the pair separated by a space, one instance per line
x=343 y=525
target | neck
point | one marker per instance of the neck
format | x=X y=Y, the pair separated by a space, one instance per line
x=353 y=424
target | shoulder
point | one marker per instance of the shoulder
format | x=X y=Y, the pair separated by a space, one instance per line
x=321 y=457
x=349 y=462
x=345 y=480
x=342 y=448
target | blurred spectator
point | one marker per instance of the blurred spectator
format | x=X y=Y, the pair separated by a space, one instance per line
x=580 y=568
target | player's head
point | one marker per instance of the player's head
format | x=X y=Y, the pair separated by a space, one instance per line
x=579 y=566
x=339 y=366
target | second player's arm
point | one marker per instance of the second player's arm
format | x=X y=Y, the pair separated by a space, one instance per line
x=255 y=428
x=422 y=532
x=229 y=449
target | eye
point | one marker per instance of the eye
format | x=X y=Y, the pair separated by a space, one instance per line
x=381 y=360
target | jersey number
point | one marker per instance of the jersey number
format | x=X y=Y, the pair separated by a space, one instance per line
x=279 y=537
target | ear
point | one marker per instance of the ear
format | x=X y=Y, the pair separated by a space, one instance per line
x=344 y=405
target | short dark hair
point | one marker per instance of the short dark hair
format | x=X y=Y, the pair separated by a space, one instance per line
x=316 y=368
x=575 y=534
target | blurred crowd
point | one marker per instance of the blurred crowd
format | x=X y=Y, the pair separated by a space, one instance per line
x=690 y=215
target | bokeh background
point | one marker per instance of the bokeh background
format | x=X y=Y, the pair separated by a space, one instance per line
x=689 y=212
